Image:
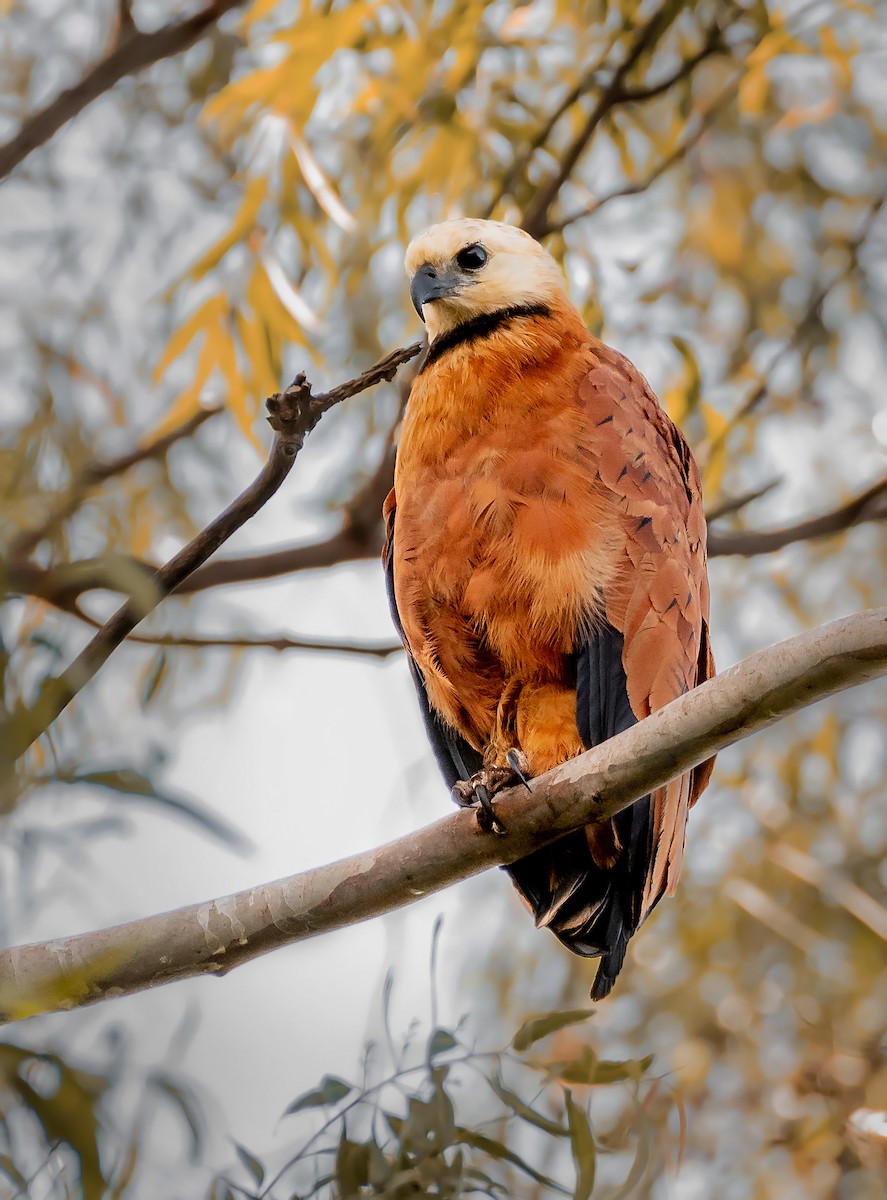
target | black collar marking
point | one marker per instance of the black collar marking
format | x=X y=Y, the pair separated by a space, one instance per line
x=479 y=327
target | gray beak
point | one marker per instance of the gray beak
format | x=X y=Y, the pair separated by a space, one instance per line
x=429 y=284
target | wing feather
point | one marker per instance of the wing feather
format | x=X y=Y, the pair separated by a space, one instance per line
x=661 y=607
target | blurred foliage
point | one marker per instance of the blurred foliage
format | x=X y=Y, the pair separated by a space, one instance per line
x=66 y=1131
x=449 y=1120
x=210 y=224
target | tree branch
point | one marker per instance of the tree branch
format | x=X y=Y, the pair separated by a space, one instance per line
x=637 y=188
x=133 y=52
x=98 y=472
x=870 y=505
x=535 y=220
x=218 y=935
x=280 y=642
x=63 y=585
x=293 y=414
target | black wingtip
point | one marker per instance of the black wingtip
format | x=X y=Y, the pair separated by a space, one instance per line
x=611 y=965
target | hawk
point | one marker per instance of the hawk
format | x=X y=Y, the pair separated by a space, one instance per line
x=545 y=562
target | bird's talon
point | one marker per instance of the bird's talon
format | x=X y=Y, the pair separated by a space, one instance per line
x=472 y=793
x=517 y=760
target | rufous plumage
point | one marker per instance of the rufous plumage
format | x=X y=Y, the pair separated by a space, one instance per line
x=546 y=565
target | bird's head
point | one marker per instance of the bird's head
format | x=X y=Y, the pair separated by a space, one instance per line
x=463 y=269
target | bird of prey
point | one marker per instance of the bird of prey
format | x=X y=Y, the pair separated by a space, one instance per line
x=545 y=562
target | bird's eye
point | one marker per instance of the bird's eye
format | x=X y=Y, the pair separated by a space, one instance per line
x=471 y=258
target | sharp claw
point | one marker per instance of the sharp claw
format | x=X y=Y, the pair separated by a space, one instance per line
x=469 y=794
x=485 y=817
x=518 y=764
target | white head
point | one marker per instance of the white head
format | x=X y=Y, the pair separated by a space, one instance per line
x=467 y=268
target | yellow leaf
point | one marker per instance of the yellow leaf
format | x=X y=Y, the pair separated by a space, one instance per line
x=838 y=57
x=254 y=340
x=189 y=401
x=716 y=428
x=238 y=394
x=244 y=223
x=753 y=89
x=205 y=315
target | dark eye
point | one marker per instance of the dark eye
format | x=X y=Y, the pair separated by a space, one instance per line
x=471 y=258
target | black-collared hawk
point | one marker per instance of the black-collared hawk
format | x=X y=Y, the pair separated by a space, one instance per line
x=545 y=559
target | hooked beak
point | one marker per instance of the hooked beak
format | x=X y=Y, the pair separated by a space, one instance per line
x=431 y=284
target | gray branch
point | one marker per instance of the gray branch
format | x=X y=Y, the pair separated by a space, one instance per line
x=218 y=935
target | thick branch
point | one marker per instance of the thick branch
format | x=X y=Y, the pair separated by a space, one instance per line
x=133 y=53
x=213 y=937
x=294 y=413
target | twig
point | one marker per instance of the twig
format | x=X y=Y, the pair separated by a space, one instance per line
x=736 y=504
x=543 y=133
x=771 y=915
x=98 y=472
x=830 y=883
x=811 y=314
x=535 y=220
x=132 y=53
x=215 y=936
x=360 y=537
x=280 y=642
x=293 y=414
x=747 y=544
x=637 y=188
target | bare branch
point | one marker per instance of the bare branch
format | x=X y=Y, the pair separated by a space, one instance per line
x=98 y=472
x=279 y=642
x=870 y=505
x=133 y=52
x=535 y=220
x=294 y=413
x=636 y=189
x=736 y=504
x=213 y=937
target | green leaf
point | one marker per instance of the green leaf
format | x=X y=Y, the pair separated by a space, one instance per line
x=588 y=1069
x=186 y=1102
x=523 y=1110
x=352 y=1168
x=127 y=781
x=439 y=1042
x=252 y=1164
x=495 y=1149
x=156 y=676
x=539 y=1027
x=331 y=1091
x=68 y=1115
x=584 y=1149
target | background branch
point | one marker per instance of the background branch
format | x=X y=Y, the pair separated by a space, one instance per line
x=870 y=505
x=278 y=642
x=293 y=414
x=215 y=936
x=361 y=538
x=98 y=472
x=133 y=52
x=535 y=220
